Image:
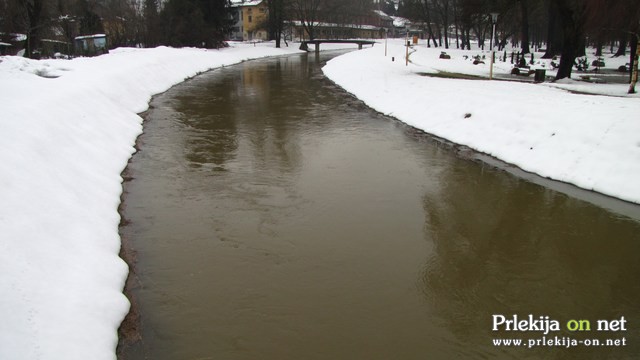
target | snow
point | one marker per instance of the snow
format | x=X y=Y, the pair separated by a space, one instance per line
x=586 y=140
x=67 y=130
x=400 y=21
x=236 y=3
x=94 y=36
x=336 y=25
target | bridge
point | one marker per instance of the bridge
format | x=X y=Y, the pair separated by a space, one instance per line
x=304 y=45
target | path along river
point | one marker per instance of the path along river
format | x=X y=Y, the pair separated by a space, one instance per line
x=274 y=216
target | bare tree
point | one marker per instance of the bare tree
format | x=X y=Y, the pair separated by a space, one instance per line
x=443 y=8
x=276 y=19
x=524 y=27
x=572 y=19
x=152 y=24
x=554 y=31
x=308 y=13
x=422 y=11
x=31 y=17
x=311 y=12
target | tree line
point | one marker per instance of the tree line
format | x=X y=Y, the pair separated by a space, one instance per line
x=561 y=27
x=146 y=23
x=149 y=23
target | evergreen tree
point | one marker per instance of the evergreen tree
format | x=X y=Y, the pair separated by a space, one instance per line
x=152 y=24
x=199 y=23
x=389 y=7
x=524 y=27
x=572 y=20
x=90 y=22
x=554 y=31
x=275 y=22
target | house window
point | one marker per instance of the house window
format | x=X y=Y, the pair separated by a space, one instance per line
x=249 y=18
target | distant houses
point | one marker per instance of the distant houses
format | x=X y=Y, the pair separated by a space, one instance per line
x=373 y=25
x=6 y=48
x=91 y=45
x=11 y=44
x=323 y=30
x=63 y=37
x=54 y=48
x=250 y=24
x=88 y=45
x=250 y=20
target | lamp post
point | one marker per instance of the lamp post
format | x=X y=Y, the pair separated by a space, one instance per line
x=494 y=20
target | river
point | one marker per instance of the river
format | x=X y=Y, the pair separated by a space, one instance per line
x=274 y=216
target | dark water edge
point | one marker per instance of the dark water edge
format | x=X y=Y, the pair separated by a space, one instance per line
x=458 y=252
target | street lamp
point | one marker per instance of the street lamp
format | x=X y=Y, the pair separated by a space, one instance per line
x=494 y=20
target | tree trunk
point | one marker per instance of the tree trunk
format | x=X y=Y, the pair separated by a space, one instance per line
x=572 y=20
x=275 y=20
x=456 y=23
x=446 y=33
x=445 y=22
x=633 y=58
x=622 y=50
x=554 y=32
x=34 y=15
x=599 y=44
x=432 y=36
x=581 y=49
x=524 y=30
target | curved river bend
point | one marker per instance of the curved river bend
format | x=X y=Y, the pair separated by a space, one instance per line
x=276 y=217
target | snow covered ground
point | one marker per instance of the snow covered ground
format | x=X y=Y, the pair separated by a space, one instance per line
x=67 y=130
x=590 y=141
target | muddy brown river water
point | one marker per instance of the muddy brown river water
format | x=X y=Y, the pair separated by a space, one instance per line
x=276 y=217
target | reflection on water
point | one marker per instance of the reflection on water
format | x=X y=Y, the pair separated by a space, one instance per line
x=275 y=217
x=503 y=246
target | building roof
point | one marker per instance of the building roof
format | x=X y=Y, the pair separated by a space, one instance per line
x=55 y=41
x=333 y=25
x=238 y=3
x=90 y=36
x=382 y=14
x=19 y=37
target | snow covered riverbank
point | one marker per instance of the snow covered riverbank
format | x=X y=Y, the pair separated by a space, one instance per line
x=67 y=130
x=590 y=141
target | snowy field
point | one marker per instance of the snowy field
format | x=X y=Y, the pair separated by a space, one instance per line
x=586 y=140
x=68 y=128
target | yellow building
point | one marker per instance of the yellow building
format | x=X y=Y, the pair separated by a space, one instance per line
x=251 y=19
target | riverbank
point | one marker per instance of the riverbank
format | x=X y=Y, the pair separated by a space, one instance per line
x=67 y=130
x=590 y=141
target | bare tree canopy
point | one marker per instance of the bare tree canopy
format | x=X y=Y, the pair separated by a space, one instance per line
x=560 y=27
